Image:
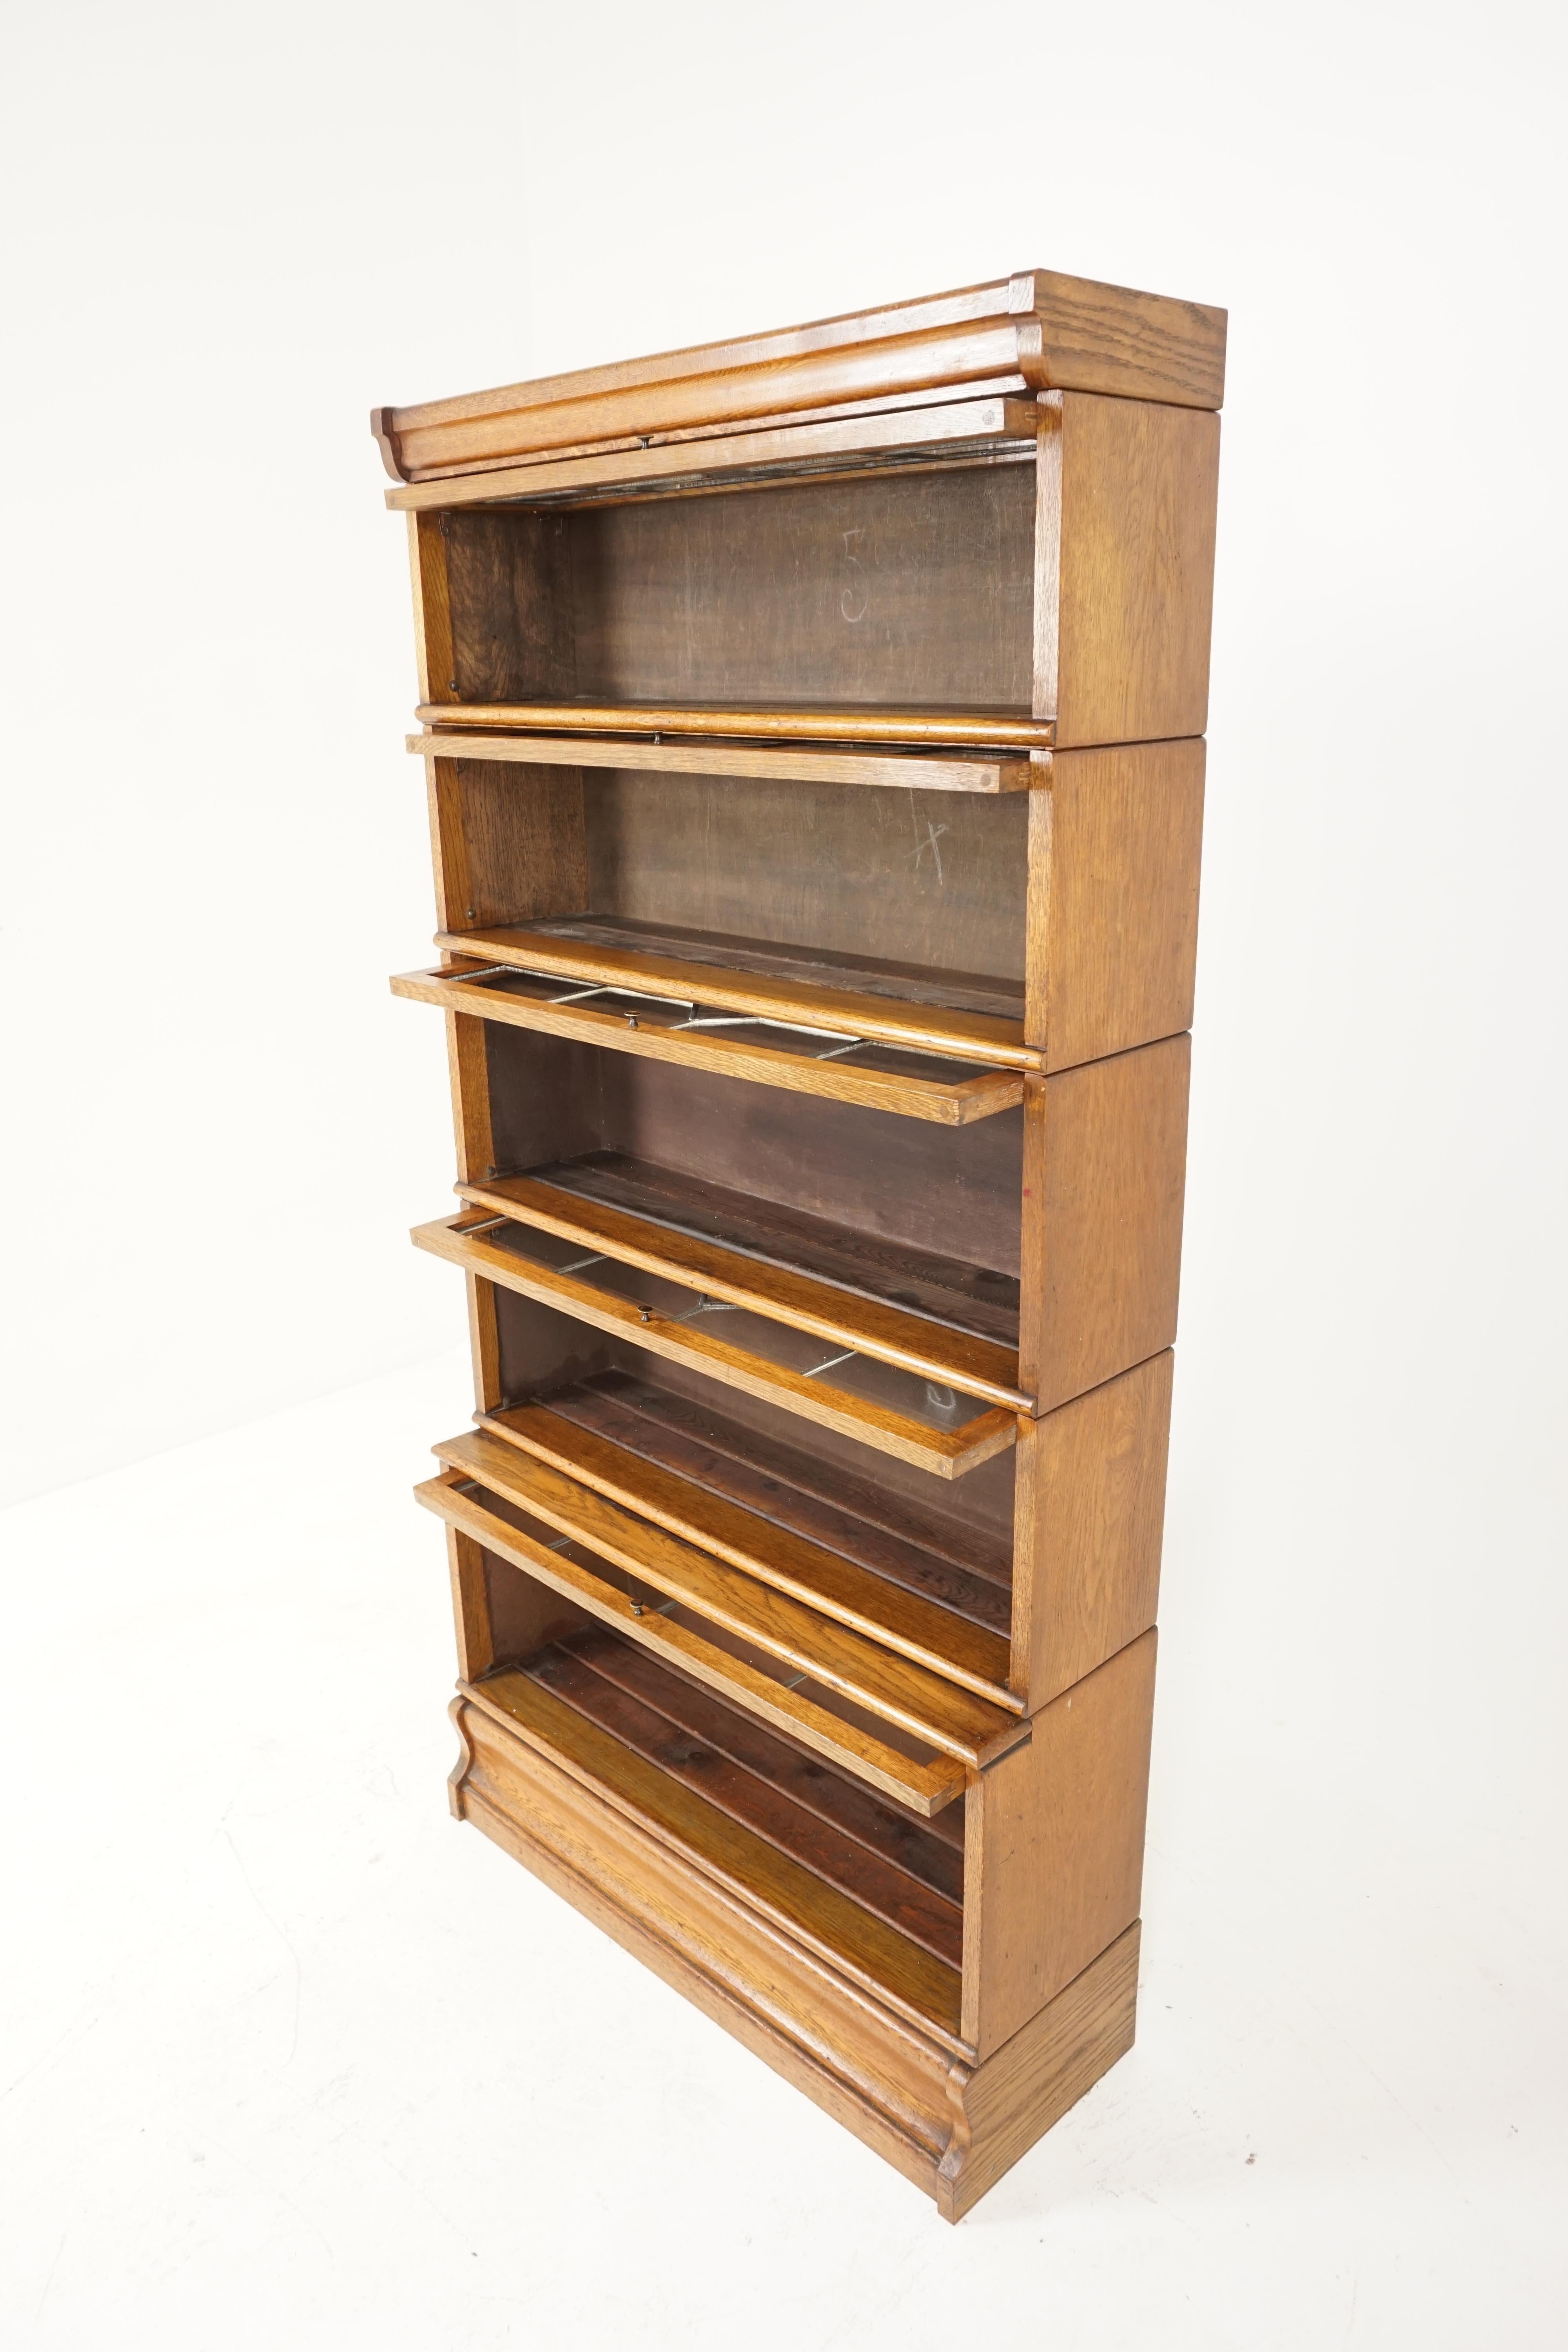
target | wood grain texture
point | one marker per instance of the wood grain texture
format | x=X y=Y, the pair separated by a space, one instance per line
x=511 y=597
x=931 y=1851
x=934 y=1352
x=890 y=894
x=928 y=1028
x=969 y=1094
x=946 y=1452
x=924 y=1783
x=470 y=1095
x=1125 y=545
x=1104 y=1169
x=857 y=1761
x=877 y=2065
x=771 y=1881
x=948 y=430
x=510 y=842
x=1004 y=2105
x=517 y=1615
x=1054 y=1857
x=999 y=730
x=432 y=606
x=1089 y=1514
x=1042 y=325
x=905 y=770
x=854 y=1512
x=737 y=957
x=584 y=1674
x=902 y=2082
x=834 y=1654
x=484 y=1343
x=908 y=1623
x=971 y=1297
x=802 y=379
x=890 y=603
x=1115 y=841
x=470 y=1606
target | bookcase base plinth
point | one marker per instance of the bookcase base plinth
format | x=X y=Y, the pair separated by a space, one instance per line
x=949 y=2126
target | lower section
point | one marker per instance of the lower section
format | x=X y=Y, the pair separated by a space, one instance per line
x=905 y=2084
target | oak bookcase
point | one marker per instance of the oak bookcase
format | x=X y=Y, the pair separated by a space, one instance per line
x=813 y=732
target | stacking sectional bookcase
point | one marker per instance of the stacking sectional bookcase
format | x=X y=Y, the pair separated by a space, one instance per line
x=814 y=733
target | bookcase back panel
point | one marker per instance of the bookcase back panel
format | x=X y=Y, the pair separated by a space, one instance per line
x=933 y=880
x=900 y=589
x=954 y=1191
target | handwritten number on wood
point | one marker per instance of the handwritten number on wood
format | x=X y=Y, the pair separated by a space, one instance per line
x=854 y=601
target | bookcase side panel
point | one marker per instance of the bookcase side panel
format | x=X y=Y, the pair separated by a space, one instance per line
x=509 y=590
x=1089 y=1514
x=432 y=605
x=1104 y=1169
x=1115 y=840
x=1138 y=493
x=1054 y=1853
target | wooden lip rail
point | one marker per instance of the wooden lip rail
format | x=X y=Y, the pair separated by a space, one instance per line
x=924 y=1784
x=945 y=1452
x=753 y=1866
x=911 y=769
x=935 y=1637
x=951 y=1034
x=845 y=1319
x=852 y=439
x=926 y=1705
x=955 y=1102
x=979 y=730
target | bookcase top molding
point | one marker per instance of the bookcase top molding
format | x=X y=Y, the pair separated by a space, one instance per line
x=1037 y=330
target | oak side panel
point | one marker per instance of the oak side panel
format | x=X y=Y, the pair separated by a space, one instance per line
x=509 y=587
x=432 y=605
x=470 y=1606
x=1004 y=2105
x=1112 y=926
x=484 y=1343
x=1054 y=1852
x=1126 y=497
x=507 y=842
x=525 y=1615
x=470 y=1096
x=1104 y=1167
x=1090 y=1515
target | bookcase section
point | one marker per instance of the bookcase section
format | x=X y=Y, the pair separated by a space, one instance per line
x=813 y=738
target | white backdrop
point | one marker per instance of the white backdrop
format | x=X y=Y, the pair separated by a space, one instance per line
x=237 y=229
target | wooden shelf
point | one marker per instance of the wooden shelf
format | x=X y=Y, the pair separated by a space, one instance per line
x=831 y=994
x=766 y=1262
x=948 y=1635
x=876 y=1403
x=905 y=769
x=911 y=1733
x=930 y=1544
x=911 y=730
x=877 y=1892
x=761 y=1050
